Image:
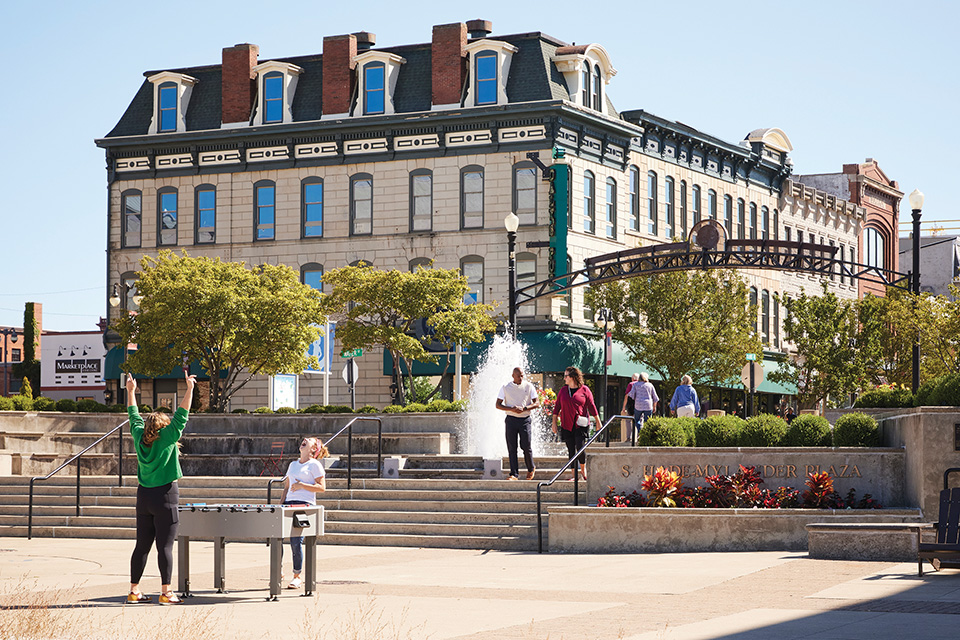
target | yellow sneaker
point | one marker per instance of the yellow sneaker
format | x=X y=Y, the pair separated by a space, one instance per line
x=169 y=598
x=137 y=598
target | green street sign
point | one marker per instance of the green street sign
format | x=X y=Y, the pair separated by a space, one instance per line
x=351 y=353
x=751 y=356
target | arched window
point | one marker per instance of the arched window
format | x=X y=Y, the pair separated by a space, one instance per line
x=525 y=192
x=420 y=263
x=421 y=200
x=485 y=70
x=167 y=212
x=311 y=207
x=753 y=307
x=652 y=202
x=741 y=218
x=264 y=204
x=634 y=221
x=683 y=208
x=873 y=248
x=471 y=197
x=712 y=204
x=472 y=268
x=776 y=224
x=696 y=203
x=311 y=274
x=526 y=276
x=842 y=257
x=167 y=109
x=728 y=214
x=128 y=282
x=776 y=321
x=597 y=89
x=374 y=93
x=669 y=211
x=361 y=204
x=589 y=202
x=753 y=221
x=273 y=97
x=205 y=214
x=765 y=316
x=361 y=262
x=131 y=206
x=611 y=209
x=585 y=85
x=765 y=221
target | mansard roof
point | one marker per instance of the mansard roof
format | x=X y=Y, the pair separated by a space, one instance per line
x=533 y=77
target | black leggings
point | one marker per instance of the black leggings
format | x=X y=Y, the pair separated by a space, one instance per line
x=157 y=520
x=574 y=439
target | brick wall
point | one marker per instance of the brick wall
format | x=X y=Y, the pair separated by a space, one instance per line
x=448 y=62
x=237 y=82
x=338 y=76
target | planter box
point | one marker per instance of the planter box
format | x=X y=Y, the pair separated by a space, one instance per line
x=662 y=530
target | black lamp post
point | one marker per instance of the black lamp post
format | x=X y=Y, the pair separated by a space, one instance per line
x=605 y=316
x=123 y=288
x=512 y=223
x=916 y=205
x=11 y=333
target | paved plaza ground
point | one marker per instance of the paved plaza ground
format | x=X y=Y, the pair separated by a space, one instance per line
x=74 y=588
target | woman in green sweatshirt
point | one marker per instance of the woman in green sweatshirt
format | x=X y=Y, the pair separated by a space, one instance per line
x=156 y=439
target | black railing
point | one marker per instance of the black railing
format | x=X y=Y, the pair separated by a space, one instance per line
x=117 y=429
x=576 y=479
x=349 y=429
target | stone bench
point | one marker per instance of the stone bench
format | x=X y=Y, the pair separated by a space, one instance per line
x=876 y=541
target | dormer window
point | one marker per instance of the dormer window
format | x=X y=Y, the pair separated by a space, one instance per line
x=276 y=86
x=377 y=71
x=171 y=95
x=489 y=69
x=587 y=70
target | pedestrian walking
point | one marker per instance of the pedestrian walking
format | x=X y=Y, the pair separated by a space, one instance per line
x=518 y=398
x=684 y=401
x=574 y=407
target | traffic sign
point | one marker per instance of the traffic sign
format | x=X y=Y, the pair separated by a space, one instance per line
x=351 y=353
x=757 y=375
x=350 y=379
x=751 y=356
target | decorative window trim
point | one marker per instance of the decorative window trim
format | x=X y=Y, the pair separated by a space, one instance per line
x=260 y=184
x=504 y=51
x=418 y=173
x=310 y=180
x=579 y=65
x=162 y=191
x=291 y=74
x=203 y=188
x=124 y=231
x=473 y=168
x=184 y=85
x=391 y=70
x=353 y=204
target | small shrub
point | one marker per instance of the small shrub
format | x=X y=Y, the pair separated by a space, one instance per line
x=22 y=403
x=719 y=431
x=116 y=408
x=689 y=426
x=88 y=405
x=764 y=430
x=314 y=408
x=164 y=409
x=438 y=405
x=66 y=404
x=26 y=389
x=393 y=408
x=337 y=408
x=663 y=432
x=240 y=411
x=286 y=410
x=415 y=407
x=367 y=408
x=145 y=408
x=856 y=430
x=263 y=410
x=6 y=404
x=41 y=403
x=458 y=405
x=808 y=431
x=886 y=396
x=940 y=392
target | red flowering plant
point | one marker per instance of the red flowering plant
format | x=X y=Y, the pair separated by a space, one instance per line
x=613 y=499
x=819 y=493
x=662 y=487
x=547 y=398
x=782 y=498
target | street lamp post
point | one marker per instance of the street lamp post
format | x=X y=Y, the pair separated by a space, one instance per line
x=512 y=223
x=11 y=333
x=916 y=205
x=124 y=288
x=606 y=316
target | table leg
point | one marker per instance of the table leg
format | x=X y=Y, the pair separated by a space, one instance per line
x=183 y=566
x=219 y=560
x=311 y=565
x=275 y=549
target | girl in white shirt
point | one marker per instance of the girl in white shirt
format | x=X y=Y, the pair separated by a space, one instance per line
x=305 y=478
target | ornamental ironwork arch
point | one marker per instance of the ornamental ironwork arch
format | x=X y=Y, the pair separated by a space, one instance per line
x=708 y=247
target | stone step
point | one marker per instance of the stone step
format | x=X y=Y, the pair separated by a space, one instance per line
x=429 y=517
x=504 y=543
x=431 y=529
x=47 y=520
x=105 y=533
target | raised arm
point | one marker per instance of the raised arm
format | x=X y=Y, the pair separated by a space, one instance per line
x=188 y=397
x=131 y=391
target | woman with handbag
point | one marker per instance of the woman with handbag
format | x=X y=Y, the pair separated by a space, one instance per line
x=574 y=407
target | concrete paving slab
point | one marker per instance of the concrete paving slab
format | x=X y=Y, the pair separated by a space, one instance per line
x=899 y=582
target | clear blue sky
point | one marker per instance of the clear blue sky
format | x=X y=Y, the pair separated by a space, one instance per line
x=845 y=80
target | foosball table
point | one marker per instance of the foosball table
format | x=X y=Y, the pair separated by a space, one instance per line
x=271 y=522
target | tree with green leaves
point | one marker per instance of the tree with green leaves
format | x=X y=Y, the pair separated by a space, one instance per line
x=376 y=307
x=888 y=329
x=29 y=366
x=685 y=322
x=831 y=353
x=237 y=322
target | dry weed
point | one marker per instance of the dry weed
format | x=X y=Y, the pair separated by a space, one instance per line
x=29 y=613
x=366 y=621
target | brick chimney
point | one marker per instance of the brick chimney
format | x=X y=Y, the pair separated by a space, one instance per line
x=449 y=64
x=237 y=89
x=338 y=76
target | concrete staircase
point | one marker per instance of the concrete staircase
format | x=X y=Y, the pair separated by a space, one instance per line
x=409 y=511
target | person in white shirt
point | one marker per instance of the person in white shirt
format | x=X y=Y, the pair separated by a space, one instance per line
x=518 y=399
x=305 y=478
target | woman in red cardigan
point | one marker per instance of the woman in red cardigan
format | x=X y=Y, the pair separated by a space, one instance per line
x=574 y=406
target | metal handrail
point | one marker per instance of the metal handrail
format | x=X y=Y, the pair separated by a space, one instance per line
x=76 y=457
x=576 y=479
x=349 y=429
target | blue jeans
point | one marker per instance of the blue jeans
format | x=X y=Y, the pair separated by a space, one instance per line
x=639 y=417
x=296 y=544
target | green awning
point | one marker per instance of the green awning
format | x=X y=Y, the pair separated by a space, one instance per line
x=115 y=356
x=767 y=386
